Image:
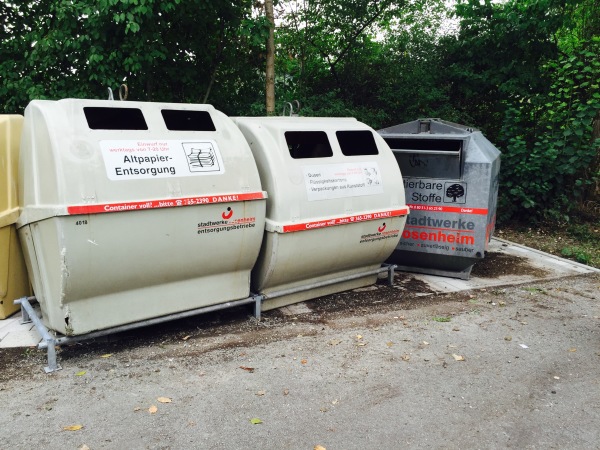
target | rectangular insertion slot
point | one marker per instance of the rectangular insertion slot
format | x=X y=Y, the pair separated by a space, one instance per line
x=431 y=146
x=180 y=120
x=308 y=144
x=101 y=118
x=357 y=142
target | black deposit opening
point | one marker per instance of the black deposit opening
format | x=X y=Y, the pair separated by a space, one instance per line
x=100 y=118
x=438 y=145
x=178 y=120
x=357 y=142
x=308 y=144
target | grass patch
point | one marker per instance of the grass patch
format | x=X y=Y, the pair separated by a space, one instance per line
x=441 y=319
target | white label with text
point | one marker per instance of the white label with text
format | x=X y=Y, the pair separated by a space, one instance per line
x=137 y=159
x=330 y=181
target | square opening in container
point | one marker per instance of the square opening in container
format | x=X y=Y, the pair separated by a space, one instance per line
x=179 y=120
x=439 y=145
x=100 y=118
x=308 y=144
x=357 y=142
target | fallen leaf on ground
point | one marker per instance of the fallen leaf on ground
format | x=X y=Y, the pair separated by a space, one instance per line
x=334 y=342
x=83 y=447
x=405 y=358
x=152 y=409
x=73 y=427
x=359 y=337
x=107 y=355
x=425 y=343
x=247 y=369
x=507 y=338
x=164 y=399
x=80 y=374
x=458 y=357
x=185 y=338
x=286 y=391
x=319 y=447
x=261 y=393
x=389 y=344
x=137 y=408
x=572 y=349
x=304 y=361
x=255 y=421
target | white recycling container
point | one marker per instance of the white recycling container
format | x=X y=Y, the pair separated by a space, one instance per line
x=336 y=205
x=14 y=282
x=134 y=210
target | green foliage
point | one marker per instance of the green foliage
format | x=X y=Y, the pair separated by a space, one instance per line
x=548 y=162
x=578 y=254
x=585 y=247
x=164 y=50
x=497 y=54
x=525 y=72
x=374 y=60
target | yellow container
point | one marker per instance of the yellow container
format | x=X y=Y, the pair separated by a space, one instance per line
x=13 y=273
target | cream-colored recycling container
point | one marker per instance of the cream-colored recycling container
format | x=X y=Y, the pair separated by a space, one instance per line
x=135 y=210
x=336 y=205
x=13 y=273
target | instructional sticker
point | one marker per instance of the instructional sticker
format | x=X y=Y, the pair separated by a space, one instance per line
x=330 y=181
x=138 y=159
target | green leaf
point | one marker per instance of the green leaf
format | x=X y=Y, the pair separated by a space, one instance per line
x=255 y=421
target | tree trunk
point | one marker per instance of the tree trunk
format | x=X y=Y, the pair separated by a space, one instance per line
x=270 y=71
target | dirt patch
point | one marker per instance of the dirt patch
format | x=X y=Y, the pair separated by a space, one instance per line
x=496 y=264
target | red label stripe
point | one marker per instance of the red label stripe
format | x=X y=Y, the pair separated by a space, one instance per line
x=344 y=220
x=450 y=209
x=167 y=203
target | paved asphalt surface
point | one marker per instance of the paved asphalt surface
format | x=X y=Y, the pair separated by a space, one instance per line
x=515 y=367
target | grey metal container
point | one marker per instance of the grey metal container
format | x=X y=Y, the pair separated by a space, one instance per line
x=450 y=175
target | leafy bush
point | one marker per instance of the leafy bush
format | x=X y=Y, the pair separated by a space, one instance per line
x=550 y=154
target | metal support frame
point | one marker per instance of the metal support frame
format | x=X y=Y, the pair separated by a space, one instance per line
x=50 y=342
x=389 y=268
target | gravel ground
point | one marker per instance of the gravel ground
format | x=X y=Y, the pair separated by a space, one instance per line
x=380 y=368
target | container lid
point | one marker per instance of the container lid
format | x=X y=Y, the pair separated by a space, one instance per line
x=95 y=156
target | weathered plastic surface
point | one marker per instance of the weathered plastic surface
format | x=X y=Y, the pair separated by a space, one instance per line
x=451 y=181
x=327 y=216
x=135 y=210
x=13 y=274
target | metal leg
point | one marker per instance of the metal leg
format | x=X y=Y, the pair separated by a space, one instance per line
x=24 y=313
x=48 y=340
x=52 y=366
x=257 y=306
x=391 y=268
